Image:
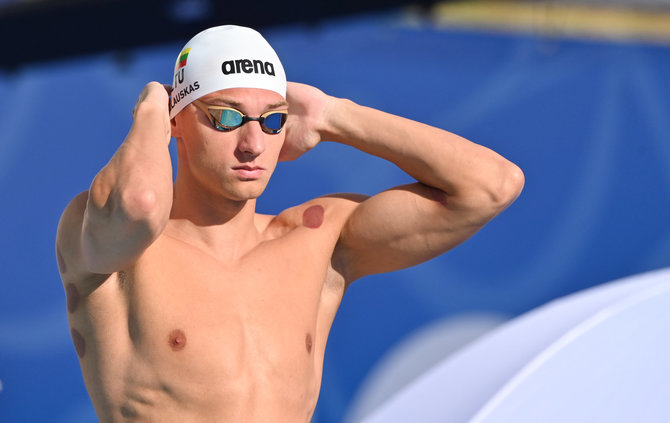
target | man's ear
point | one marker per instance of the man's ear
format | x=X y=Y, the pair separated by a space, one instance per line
x=174 y=131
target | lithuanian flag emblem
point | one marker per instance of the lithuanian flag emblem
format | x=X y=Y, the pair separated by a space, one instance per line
x=183 y=56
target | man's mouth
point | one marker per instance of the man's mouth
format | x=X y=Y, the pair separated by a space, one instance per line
x=249 y=171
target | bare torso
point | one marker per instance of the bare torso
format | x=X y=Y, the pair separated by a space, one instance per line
x=228 y=321
x=183 y=336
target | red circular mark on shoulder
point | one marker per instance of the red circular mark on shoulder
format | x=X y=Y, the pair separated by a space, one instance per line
x=177 y=340
x=313 y=217
x=72 y=297
x=61 y=262
x=79 y=342
x=308 y=343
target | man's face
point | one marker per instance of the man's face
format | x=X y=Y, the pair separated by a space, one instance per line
x=235 y=164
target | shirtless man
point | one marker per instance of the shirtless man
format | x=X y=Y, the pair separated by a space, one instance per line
x=184 y=304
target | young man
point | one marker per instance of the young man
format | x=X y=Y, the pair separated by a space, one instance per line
x=185 y=305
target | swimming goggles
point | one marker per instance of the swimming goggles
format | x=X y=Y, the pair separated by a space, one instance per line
x=227 y=119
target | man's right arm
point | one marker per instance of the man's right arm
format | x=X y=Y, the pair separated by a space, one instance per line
x=129 y=201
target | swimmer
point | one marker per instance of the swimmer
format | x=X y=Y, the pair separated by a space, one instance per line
x=184 y=303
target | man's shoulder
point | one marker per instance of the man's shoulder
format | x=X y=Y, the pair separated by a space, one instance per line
x=328 y=211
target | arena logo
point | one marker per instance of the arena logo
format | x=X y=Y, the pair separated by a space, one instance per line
x=247 y=66
x=181 y=94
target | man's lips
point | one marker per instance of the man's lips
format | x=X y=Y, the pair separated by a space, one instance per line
x=249 y=172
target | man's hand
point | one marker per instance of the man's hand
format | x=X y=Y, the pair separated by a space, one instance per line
x=154 y=93
x=308 y=112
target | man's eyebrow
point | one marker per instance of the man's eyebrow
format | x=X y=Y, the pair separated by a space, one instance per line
x=222 y=101
x=229 y=102
x=277 y=105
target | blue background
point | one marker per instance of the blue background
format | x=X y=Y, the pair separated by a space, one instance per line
x=587 y=121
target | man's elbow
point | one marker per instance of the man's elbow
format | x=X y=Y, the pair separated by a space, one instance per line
x=142 y=214
x=127 y=205
x=114 y=233
x=140 y=205
x=507 y=188
x=109 y=246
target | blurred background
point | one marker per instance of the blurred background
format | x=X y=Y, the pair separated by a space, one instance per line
x=575 y=92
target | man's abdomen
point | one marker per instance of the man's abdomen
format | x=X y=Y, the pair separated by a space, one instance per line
x=207 y=344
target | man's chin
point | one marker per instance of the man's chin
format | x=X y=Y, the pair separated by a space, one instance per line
x=248 y=190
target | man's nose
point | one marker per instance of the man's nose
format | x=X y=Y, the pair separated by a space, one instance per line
x=252 y=139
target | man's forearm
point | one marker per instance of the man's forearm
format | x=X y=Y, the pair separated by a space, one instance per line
x=131 y=196
x=462 y=169
x=140 y=168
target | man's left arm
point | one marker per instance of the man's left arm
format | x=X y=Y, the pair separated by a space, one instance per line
x=462 y=186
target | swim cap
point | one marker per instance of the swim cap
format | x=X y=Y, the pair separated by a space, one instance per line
x=223 y=57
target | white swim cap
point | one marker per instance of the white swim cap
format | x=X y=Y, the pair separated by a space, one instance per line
x=223 y=57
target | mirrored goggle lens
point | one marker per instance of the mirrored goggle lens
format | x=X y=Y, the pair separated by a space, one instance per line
x=227 y=118
x=274 y=121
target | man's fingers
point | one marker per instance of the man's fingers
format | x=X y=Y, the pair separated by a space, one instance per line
x=150 y=93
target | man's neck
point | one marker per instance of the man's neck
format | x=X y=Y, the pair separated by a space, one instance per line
x=225 y=228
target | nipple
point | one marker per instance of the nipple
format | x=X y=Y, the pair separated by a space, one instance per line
x=177 y=340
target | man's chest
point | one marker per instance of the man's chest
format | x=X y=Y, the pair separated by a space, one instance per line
x=278 y=271
x=272 y=296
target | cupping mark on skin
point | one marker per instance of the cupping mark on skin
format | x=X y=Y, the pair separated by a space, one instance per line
x=313 y=217
x=79 y=342
x=72 y=297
